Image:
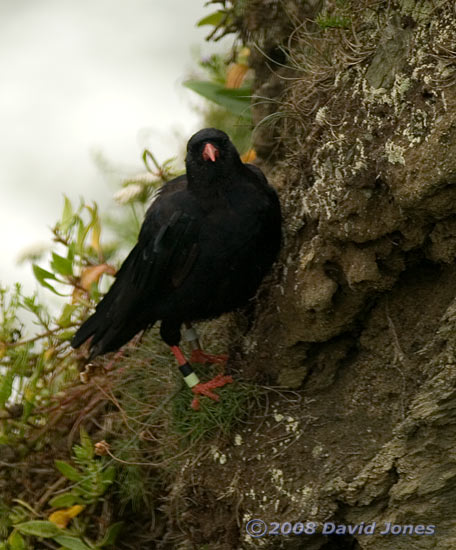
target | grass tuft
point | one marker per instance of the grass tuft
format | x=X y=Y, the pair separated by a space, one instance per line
x=154 y=430
x=214 y=418
x=334 y=21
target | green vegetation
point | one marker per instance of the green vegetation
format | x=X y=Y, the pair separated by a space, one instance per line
x=131 y=412
x=90 y=479
x=336 y=16
x=42 y=398
x=226 y=83
x=334 y=21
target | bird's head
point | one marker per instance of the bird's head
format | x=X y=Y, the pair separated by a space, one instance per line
x=210 y=154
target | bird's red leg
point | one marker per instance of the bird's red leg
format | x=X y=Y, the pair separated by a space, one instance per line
x=198 y=355
x=192 y=380
x=181 y=361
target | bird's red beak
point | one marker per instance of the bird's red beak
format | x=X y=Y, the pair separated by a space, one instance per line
x=210 y=152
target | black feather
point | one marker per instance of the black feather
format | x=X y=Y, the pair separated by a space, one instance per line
x=206 y=242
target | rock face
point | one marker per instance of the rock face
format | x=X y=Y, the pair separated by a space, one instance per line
x=359 y=318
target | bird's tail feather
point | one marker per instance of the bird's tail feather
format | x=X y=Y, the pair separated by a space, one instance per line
x=117 y=318
x=105 y=335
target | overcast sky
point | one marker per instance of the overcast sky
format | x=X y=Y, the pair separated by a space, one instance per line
x=83 y=76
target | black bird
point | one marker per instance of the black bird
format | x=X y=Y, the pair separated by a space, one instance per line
x=206 y=243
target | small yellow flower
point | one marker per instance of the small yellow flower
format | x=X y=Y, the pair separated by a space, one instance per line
x=235 y=75
x=62 y=518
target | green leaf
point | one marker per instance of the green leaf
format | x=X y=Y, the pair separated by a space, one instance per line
x=67 y=470
x=108 y=475
x=38 y=528
x=41 y=276
x=16 y=541
x=64 y=501
x=86 y=443
x=82 y=234
x=94 y=293
x=29 y=405
x=30 y=303
x=65 y=318
x=111 y=534
x=234 y=100
x=213 y=19
x=67 y=215
x=71 y=543
x=61 y=265
x=65 y=335
x=25 y=505
x=6 y=387
x=71 y=251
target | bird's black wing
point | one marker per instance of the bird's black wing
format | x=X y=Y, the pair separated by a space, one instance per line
x=161 y=260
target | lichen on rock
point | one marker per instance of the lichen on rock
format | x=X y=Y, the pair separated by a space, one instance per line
x=357 y=319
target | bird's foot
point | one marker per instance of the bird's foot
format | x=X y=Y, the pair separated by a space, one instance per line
x=207 y=387
x=201 y=357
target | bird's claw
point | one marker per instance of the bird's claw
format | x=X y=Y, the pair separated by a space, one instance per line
x=206 y=387
x=201 y=357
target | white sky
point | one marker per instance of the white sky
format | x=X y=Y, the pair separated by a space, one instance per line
x=79 y=76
